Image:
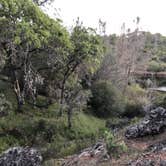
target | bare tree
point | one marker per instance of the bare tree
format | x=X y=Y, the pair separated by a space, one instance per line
x=129 y=48
x=124 y=55
x=102 y=27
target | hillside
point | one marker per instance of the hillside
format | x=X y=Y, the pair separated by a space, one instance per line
x=78 y=97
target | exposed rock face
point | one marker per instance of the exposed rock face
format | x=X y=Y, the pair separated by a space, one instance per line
x=88 y=157
x=153 y=123
x=19 y=156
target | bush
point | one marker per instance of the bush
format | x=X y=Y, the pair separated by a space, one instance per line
x=156 y=66
x=114 y=147
x=117 y=123
x=106 y=100
x=135 y=100
x=133 y=109
x=160 y=100
x=5 y=105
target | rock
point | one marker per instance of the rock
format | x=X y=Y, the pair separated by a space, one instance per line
x=153 y=123
x=88 y=157
x=160 y=146
x=142 y=163
x=18 y=156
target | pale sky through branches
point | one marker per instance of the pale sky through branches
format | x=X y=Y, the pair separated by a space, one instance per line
x=151 y=12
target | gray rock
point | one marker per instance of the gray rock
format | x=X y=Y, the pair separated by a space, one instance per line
x=19 y=156
x=160 y=146
x=153 y=123
x=142 y=163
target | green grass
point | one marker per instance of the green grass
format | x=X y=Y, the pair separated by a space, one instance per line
x=43 y=128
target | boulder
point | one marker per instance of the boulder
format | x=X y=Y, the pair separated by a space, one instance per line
x=18 y=156
x=153 y=123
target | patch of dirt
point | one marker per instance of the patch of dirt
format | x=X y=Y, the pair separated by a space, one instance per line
x=138 y=154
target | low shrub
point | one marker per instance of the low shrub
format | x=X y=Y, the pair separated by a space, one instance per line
x=133 y=109
x=117 y=123
x=155 y=66
x=114 y=147
x=106 y=100
x=136 y=98
x=5 y=105
x=160 y=100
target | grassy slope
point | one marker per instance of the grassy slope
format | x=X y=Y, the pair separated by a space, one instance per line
x=42 y=128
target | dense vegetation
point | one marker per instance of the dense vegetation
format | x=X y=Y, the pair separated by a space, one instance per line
x=60 y=91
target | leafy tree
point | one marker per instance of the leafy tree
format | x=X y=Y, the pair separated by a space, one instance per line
x=83 y=60
x=38 y=53
x=27 y=32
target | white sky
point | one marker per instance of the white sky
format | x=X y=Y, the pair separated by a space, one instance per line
x=151 y=12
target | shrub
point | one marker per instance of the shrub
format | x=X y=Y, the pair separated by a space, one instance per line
x=133 y=109
x=135 y=100
x=116 y=123
x=114 y=147
x=5 y=105
x=106 y=100
x=156 y=66
x=160 y=100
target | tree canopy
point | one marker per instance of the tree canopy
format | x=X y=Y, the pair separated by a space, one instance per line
x=37 y=51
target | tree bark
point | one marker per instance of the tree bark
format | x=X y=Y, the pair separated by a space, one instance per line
x=69 y=115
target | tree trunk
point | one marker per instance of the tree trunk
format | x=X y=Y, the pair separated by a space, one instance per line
x=69 y=116
x=19 y=97
x=62 y=97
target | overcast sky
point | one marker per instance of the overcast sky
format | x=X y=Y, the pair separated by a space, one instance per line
x=151 y=12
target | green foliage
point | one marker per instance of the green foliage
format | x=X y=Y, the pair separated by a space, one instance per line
x=135 y=100
x=160 y=99
x=42 y=49
x=87 y=46
x=114 y=147
x=5 y=105
x=155 y=66
x=43 y=128
x=133 y=110
x=155 y=44
x=32 y=44
x=106 y=100
x=116 y=123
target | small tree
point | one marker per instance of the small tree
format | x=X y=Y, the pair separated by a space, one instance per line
x=87 y=51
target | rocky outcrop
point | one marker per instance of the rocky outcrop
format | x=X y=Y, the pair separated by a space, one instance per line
x=19 y=156
x=88 y=157
x=153 y=123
